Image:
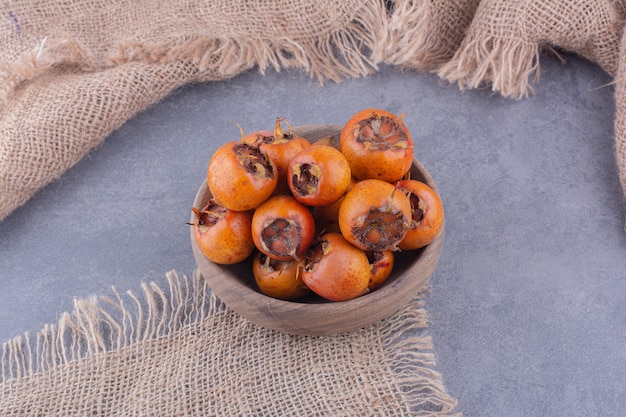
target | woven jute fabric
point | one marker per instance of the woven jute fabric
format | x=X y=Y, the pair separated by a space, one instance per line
x=71 y=72
x=503 y=42
x=620 y=116
x=424 y=34
x=177 y=350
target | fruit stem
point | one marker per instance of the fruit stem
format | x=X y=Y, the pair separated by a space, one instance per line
x=389 y=208
x=243 y=135
x=217 y=214
x=291 y=132
x=278 y=130
x=197 y=212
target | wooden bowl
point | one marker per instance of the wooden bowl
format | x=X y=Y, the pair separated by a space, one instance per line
x=234 y=284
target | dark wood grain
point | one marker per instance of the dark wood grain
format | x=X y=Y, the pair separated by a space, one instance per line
x=234 y=284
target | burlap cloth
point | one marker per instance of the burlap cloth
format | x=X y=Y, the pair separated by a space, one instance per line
x=178 y=351
x=72 y=72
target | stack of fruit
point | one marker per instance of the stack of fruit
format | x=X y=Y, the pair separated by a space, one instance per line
x=313 y=216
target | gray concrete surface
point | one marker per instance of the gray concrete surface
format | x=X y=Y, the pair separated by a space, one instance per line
x=527 y=304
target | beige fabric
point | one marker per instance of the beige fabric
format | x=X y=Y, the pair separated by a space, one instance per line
x=177 y=351
x=424 y=34
x=502 y=46
x=505 y=38
x=71 y=72
x=620 y=116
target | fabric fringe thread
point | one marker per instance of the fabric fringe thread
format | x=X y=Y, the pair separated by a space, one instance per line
x=336 y=55
x=503 y=43
x=406 y=30
x=423 y=35
x=410 y=359
x=152 y=69
x=506 y=65
x=620 y=116
x=98 y=325
x=475 y=44
x=105 y=326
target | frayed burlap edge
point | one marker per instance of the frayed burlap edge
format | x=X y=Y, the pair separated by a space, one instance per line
x=406 y=28
x=421 y=36
x=620 y=115
x=332 y=56
x=507 y=65
x=104 y=325
x=502 y=50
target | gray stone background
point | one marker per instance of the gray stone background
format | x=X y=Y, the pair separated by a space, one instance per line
x=527 y=304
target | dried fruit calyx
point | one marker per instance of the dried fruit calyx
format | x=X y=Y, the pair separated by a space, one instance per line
x=282 y=237
x=306 y=178
x=315 y=254
x=209 y=215
x=254 y=161
x=380 y=229
x=381 y=133
x=418 y=208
